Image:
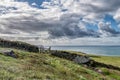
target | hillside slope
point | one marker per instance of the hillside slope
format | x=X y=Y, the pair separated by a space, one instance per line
x=36 y=66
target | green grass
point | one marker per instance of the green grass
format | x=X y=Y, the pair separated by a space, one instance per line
x=113 y=60
x=109 y=60
x=36 y=66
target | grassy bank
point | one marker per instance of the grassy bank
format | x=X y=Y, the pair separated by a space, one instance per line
x=37 y=66
x=113 y=60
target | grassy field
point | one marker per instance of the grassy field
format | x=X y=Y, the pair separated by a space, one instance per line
x=36 y=66
x=113 y=60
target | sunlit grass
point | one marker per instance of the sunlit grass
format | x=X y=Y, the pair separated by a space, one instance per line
x=113 y=60
x=36 y=66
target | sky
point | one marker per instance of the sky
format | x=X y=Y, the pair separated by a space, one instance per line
x=61 y=22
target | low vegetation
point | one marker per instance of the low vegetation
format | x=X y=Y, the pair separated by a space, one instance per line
x=38 y=66
x=113 y=60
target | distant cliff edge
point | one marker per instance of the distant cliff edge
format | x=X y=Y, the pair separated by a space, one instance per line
x=18 y=45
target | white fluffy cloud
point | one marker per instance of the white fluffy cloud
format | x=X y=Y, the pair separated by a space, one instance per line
x=57 y=19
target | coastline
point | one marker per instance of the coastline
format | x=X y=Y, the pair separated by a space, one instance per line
x=114 y=60
x=94 y=50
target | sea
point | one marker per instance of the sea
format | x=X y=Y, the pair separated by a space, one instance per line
x=97 y=50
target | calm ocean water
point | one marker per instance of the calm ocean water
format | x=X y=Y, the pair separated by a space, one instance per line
x=99 y=50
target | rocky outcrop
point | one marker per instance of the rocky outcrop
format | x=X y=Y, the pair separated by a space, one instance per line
x=84 y=60
x=10 y=53
x=73 y=57
x=18 y=45
x=81 y=59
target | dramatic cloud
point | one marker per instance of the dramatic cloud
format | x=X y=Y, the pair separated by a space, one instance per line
x=107 y=30
x=58 y=19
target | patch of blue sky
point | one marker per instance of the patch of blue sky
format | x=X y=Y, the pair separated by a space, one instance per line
x=114 y=24
x=90 y=26
x=37 y=3
x=107 y=18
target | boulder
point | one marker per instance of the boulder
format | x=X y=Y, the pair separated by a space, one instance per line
x=81 y=59
x=9 y=53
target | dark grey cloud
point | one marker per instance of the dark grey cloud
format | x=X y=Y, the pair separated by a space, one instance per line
x=72 y=31
x=67 y=26
x=106 y=28
x=26 y=24
x=100 y=8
